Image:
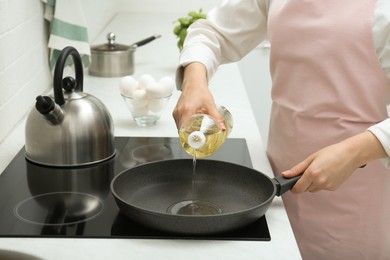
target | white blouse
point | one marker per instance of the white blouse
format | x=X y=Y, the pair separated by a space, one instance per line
x=235 y=27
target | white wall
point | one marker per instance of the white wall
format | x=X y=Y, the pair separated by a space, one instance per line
x=169 y=6
x=24 y=72
x=23 y=59
x=98 y=13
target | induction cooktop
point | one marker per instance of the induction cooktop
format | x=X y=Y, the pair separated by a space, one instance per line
x=41 y=201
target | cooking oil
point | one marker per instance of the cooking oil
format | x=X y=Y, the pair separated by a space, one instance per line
x=200 y=135
x=194 y=208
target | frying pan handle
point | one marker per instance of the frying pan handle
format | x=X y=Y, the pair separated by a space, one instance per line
x=284 y=184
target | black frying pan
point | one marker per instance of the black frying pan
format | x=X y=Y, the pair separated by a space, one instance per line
x=147 y=192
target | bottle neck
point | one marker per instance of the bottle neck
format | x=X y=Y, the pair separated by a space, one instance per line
x=196 y=140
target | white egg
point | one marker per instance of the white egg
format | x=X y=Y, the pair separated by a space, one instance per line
x=139 y=98
x=156 y=105
x=145 y=80
x=127 y=85
x=140 y=111
x=168 y=84
x=155 y=90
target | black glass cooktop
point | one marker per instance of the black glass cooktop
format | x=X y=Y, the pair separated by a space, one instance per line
x=40 y=201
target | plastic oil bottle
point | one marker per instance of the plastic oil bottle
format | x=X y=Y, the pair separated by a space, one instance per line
x=200 y=135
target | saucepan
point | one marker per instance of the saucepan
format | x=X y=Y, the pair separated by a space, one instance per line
x=113 y=59
x=209 y=197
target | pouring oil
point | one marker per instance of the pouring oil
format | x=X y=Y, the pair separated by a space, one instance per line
x=194 y=207
x=200 y=137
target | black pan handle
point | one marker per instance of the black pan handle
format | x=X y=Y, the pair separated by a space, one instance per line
x=284 y=184
x=145 y=41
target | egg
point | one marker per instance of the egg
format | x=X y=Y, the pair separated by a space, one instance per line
x=156 y=105
x=139 y=98
x=127 y=85
x=167 y=84
x=140 y=111
x=145 y=80
x=155 y=90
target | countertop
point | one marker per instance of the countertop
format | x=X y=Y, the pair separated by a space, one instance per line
x=159 y=58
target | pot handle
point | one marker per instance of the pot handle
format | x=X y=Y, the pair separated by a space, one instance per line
x=145 y=41
x=284 y=184
x=59 y=69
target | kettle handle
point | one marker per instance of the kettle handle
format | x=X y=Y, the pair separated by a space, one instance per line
x=59 y=69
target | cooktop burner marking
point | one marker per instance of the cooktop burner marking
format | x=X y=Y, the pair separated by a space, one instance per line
x=59 y=208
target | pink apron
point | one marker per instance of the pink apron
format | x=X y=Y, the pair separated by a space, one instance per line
x=328 y=85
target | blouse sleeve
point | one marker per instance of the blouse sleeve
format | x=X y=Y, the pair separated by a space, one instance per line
x=381 y=36
x=230 y=31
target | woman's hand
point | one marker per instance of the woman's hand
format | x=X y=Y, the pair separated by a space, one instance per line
x=328 y=168
x=196 y=96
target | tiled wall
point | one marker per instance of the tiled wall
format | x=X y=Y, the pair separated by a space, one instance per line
x=24 y=73
x=23 y=59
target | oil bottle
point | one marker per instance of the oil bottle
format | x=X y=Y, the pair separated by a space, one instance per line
x=200 y=135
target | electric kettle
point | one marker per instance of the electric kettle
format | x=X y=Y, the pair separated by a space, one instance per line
x=72 y=128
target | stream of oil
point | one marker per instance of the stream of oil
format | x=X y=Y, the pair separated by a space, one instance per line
x=194 y=206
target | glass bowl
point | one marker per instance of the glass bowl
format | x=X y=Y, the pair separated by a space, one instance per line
x=146 y=111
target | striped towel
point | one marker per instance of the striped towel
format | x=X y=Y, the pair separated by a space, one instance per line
x=67 y=28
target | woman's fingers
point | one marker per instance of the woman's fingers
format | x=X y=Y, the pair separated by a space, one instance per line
x=304 y=182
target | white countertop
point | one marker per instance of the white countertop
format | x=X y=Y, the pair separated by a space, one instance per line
x=159 y=58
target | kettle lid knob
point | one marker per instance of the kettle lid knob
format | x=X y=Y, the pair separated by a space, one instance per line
x=69 y=84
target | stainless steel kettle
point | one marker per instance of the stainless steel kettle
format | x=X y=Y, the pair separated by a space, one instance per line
x=74 y=128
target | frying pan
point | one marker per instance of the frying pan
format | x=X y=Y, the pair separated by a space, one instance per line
x=146 y=194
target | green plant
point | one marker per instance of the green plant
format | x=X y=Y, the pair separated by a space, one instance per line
x=182 y=24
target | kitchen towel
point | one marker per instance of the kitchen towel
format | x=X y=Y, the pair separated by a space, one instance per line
x=67 y=28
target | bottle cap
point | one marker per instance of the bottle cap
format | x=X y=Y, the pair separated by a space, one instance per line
x=196 y=139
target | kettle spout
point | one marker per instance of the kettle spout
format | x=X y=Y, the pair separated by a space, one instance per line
x=51 y=111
